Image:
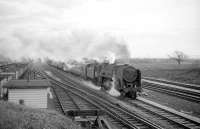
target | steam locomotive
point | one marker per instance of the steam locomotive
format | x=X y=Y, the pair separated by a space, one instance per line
x=126 y=78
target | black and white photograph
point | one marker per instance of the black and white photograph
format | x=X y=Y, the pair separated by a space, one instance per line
x=99 y=64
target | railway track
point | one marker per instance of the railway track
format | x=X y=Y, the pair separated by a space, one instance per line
x=174 y=120
x=30 y=74
x=69 y=101
x=191 y=94
x=121 y=117
x=185 y=85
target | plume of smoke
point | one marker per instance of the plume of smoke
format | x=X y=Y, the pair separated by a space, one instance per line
x=62 y=45
x=110 y=57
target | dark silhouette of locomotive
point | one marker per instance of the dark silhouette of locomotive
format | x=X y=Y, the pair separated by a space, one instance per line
x=125 y=78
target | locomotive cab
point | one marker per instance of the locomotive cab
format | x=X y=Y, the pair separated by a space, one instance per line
x=106 y=76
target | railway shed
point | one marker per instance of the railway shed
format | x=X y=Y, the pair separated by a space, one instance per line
x=32 y=93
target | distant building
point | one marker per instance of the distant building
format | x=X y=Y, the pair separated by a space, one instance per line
x=32 y=93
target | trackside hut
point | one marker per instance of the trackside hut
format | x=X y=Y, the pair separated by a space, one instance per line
x=32 y=93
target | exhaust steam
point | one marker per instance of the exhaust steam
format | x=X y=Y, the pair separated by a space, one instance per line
x=90 y=85
x=112 y=90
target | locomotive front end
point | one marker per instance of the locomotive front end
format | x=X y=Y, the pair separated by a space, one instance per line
x=131 y=81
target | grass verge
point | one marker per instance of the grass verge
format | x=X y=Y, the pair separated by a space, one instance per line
x=14 y=116
x=186 y=73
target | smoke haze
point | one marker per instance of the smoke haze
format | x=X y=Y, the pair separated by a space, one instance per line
x=62 y=45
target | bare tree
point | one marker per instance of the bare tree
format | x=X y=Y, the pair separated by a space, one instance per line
x=178 y=56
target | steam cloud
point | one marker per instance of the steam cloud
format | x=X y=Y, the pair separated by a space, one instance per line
x=61 y=45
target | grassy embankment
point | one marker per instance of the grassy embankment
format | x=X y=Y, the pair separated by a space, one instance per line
x=188 y=72
x=20 y=117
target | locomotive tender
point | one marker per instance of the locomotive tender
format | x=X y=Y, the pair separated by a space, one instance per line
x=125 y=78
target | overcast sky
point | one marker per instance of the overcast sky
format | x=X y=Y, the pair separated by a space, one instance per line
x=81 y=28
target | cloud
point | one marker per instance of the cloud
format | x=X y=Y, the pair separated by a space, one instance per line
x=64 y=29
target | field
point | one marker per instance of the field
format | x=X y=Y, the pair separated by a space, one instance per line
x=19 y=117
x=187 y=72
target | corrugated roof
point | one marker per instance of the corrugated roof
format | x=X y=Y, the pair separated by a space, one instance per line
x=27 y=84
